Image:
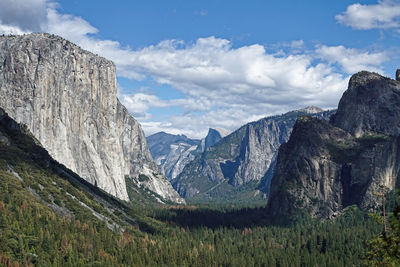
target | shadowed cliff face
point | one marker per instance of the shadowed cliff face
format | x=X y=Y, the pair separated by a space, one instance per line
x=371 y=103
x=239 y=167
x=325 y=167
x=213 y=136
x=68 y=99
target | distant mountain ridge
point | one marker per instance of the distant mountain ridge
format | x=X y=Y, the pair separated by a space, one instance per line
x=173 y=152
x=311 y=110
x=240 y=166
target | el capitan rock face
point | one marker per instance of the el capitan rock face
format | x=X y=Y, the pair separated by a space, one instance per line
x=68 y=99
x=325 y=167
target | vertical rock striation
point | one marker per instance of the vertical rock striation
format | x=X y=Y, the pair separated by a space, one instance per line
x=68 y=99
x=325 y=167
x=240 y=166
x=370 y=104
x=172 y=152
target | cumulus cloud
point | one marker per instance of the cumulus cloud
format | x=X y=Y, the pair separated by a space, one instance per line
x=212 y=67
x=232 y=86
x=139 y=103
x=22 y=14
x=352 y=60
x=71 y=27
x=221 y=86
x=383 y=15
x=9 y=29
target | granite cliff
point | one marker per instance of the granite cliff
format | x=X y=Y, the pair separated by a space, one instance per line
x=351 y=160
x=239 y=167
x=212 y=137
x=67 y=97
x=173 y=152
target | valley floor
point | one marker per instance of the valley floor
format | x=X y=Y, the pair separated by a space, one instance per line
x=48 y=219
x=32 y=234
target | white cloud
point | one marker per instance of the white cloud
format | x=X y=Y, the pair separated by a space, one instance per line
x=352 y=60
x=221 y=86
x=384 y=15
x=71 y=27
x=139 y=103
x=26 y=15
x=9 y=29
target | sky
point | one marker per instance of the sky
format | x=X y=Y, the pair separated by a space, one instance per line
x=186 y=66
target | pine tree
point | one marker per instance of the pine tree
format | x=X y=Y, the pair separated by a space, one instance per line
x=385 y=249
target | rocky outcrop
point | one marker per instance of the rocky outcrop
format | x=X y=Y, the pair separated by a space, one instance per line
x=353 y=160
x=67 y=97
x=371 y=103
x=311 y=110
x=239 y=164
x=213 y=136
x=172 y=152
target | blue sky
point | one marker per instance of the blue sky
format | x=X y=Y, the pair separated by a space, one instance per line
x=184 y=66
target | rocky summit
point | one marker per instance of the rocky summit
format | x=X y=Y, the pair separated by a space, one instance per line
x=352 y=160
x=240 y=166
x=213 y=136
x=67 y=97
x=371 y=103
x=173 y=152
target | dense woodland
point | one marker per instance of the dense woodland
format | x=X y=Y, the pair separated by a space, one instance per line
x=47 y=220
x=32 y=234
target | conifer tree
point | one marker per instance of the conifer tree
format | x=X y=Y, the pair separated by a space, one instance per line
x=385 y=249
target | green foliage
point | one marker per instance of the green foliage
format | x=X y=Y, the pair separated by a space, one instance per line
x=344 y=152
x=143 y=178
x=349 y=150
x=371 y=138
x=175 y=236
x=384 y=250
x=48 y=218
x=226 y=147
x=226 y=156
x=225 y=194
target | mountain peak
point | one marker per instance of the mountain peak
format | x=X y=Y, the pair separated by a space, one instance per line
x=328 y=166
x=213 y=136
x=382 y=112
x=221 y=131
x=311 y=109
